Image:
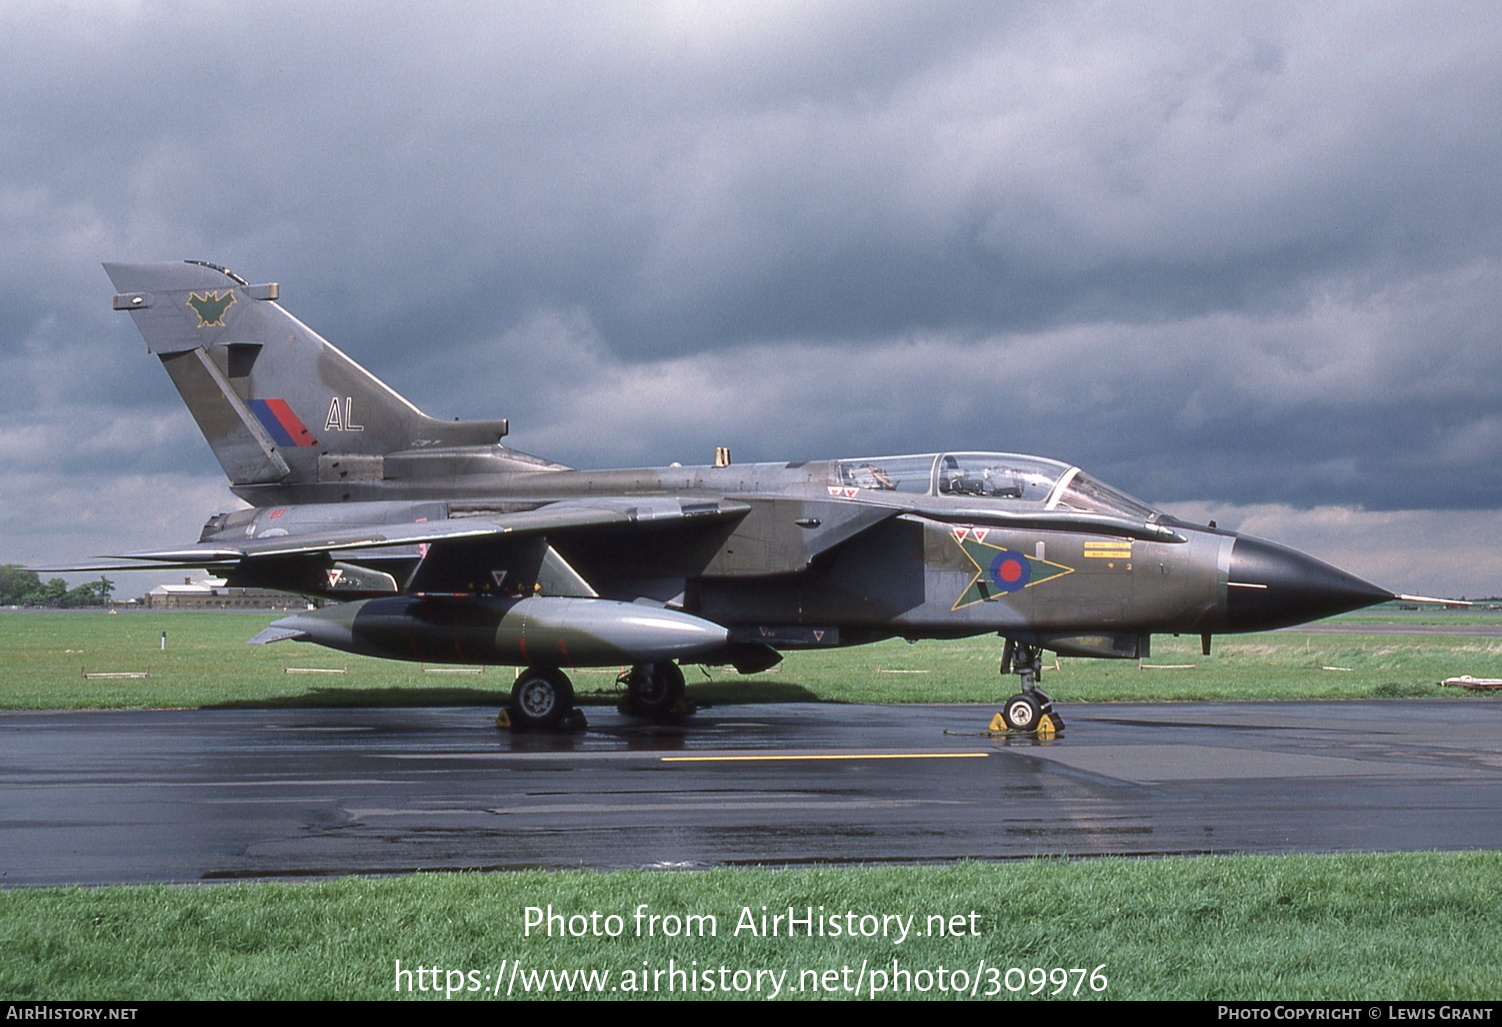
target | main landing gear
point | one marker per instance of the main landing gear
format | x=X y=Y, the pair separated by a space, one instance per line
x=655 y=692
x=543 y=698
x=1031 y=710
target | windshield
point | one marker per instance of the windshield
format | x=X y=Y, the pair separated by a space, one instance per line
x=1081 y=492
x=1009 y=478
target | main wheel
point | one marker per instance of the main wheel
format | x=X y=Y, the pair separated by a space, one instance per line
x=541 y=699
x=1021 y=712
x=653 y=689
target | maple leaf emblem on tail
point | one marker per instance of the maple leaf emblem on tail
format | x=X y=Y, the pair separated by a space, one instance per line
x=210 y=307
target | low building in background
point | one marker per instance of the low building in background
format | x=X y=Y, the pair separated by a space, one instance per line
x=213 y=594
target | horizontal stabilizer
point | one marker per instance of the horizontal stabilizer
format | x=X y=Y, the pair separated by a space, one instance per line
x=114 y=568
x=550 y=518
x=190 y=556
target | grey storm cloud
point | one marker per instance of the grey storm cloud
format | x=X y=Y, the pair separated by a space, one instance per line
x=1236 y=257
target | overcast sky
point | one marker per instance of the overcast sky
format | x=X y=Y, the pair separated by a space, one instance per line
x=1240 y=260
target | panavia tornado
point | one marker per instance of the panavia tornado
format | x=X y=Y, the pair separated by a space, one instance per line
x=442 y=544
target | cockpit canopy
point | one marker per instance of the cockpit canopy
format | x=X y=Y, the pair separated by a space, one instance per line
x=1020 y=481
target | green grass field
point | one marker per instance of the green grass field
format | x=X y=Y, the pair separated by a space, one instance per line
x=1368 y=927
x=206 y=663
x=1420 y=926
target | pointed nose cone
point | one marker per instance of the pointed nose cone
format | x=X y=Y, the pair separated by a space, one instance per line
x=1271 y=586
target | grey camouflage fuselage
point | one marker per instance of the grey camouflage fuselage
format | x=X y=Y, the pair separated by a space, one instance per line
x=447 y=544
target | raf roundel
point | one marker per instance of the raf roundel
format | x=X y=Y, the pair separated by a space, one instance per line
x=1010 y=571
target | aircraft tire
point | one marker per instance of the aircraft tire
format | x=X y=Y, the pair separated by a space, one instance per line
x=541 y=699
x=1022 y=712
x=653 y=690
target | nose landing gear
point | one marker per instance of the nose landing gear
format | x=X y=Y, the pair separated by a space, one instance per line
x=1031 y=710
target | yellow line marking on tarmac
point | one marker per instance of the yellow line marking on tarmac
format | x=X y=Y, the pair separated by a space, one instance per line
x=838 y=756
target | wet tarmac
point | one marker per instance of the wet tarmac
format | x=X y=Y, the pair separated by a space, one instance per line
x=220 y=795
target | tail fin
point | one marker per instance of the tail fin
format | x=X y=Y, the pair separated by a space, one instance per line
x=278 y=403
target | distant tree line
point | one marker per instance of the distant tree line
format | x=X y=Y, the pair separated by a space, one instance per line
x=21 y=587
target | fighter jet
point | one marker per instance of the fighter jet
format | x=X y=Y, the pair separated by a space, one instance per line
x=442 y=544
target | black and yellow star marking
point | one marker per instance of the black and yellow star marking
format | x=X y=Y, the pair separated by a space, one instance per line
x=1000 y=571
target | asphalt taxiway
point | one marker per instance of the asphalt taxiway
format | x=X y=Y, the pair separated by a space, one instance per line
x=100 y=797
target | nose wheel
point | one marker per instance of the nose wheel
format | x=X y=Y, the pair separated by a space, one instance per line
x=1022 y=713
x=1031 y=710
